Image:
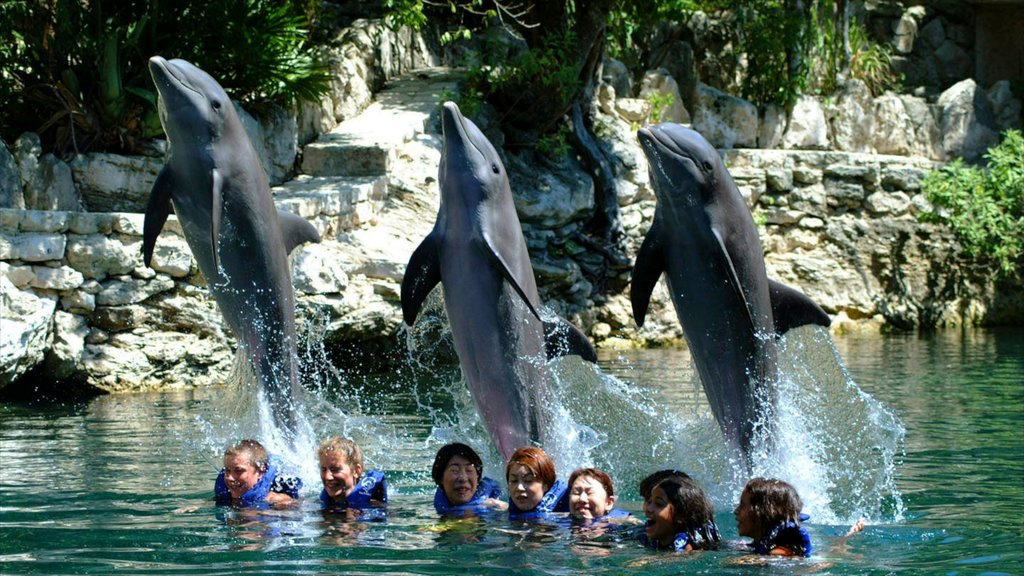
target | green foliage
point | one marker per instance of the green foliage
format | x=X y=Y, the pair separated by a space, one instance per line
x=659 y=104
x=77 y=72
x=871 y=62
x=771 y=34
x=984 y=208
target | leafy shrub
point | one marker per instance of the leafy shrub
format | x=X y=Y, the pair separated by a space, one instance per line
x=984 y=207
x=77 y=72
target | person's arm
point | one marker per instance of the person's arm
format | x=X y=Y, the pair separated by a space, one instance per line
x=280 y=500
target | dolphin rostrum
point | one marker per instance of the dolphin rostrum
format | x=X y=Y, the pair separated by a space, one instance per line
x=239 y=239
x=477 y=252
x=704 y=240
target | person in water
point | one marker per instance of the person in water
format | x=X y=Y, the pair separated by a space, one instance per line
x=533 y=488
x=345 y=483
x=250 y=478
x=769 y=512
x=592 y=496
x=680 y=516
x=462 y=487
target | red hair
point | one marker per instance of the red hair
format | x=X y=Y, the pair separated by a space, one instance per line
x=537 y=461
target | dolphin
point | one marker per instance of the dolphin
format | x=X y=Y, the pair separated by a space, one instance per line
x=477 y=252
x=240 y=240
x=704 y=240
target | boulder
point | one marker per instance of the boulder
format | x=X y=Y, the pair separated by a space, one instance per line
x=11 y=195
x=807 y=128
x=967 y=124
x=853 y=119
x=115 y=183
x=318 y=269
x=1006 y=109
x=97 y=256
x=725 y=121
x=65 y=354
x=659 y=84
x=25 y=336
x=52 y=187
x=615 y=74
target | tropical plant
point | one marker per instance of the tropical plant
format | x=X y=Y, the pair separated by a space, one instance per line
x=984 y=206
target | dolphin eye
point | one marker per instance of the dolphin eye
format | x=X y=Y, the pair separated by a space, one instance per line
x=215 y=104
x=495 y=169
x=707 y=166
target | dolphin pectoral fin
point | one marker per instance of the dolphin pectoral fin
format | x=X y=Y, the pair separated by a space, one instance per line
x=515 y=277
x=295 y=230
x=157 y=210
x=563 y=339
x=734 y=278
x=216 y=211
x=792 y=308
x=422 y=273
x=649 y=265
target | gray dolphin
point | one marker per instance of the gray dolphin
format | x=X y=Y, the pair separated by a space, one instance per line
x=478 y=254
x=239 y=239
x=704 y=239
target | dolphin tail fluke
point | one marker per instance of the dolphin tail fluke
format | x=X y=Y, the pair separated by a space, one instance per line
x=157 y=210
x=650 y=263
x=792 y=308
x=563 y=339
x=295 y=230
x=216 y=211
x=421 y=275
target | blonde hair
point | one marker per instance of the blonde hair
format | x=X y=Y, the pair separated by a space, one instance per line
x=258 y=456
x=348 y=448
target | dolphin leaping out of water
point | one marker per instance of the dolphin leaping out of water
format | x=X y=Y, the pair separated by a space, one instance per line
x=239 y=239
x=477 y=252
x=704 y=240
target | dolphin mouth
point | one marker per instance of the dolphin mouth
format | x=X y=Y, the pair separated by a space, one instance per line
x=170 y=75
x=452 y=120
x=654 y=139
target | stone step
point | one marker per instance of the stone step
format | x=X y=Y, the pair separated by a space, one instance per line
x=365 y=145
x=333 y=204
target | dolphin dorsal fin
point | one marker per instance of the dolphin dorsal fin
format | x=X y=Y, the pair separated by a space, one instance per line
x=157 y=210
x=216 y=212
x=792 y=308
x=295 y=230
x=649 y=265
x=561 y=338
x=422 y=273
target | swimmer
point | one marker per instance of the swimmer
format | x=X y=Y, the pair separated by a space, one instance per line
x=680 y=516
x=533 y=488
x=345 y=485
x=461 y=486
x=592 y=496
x=769 y=512
x=250 y=478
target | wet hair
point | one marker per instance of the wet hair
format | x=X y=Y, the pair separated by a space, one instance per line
x=258 y=456
x=449 y=451
x=347 y=448
x=537 y=461
x=773 y=501
x=692 y=511
x=600 y=476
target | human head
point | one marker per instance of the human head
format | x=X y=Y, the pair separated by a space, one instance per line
x=591 y=494
x=457 y=470
x=766 y=502
x=245 y=462
x=341 y=465
x=675 y=503
x=530 y=473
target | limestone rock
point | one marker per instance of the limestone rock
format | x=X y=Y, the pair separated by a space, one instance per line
x=807 y=127
x=131 y=290
x=725 y=121
x=853 y=122
x=115 y=183
x=11 y=195
x=635 y=110
x=51 y=187
x=548 y=199
x=660 y=84
x=615 y=74
x=97 y=256
x=172 y=256
x=60 y=279
x=63 y=357
x=318 y=269
x=772 y=127
x=32 y=247
x=967 y=121
x=25 y=335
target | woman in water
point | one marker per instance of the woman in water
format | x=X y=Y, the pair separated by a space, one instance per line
x=680 y=516
x=769 y=512
x=592 y=497
x=250 y=478
x=345 y=485
x=461 y=486
x=533 y=488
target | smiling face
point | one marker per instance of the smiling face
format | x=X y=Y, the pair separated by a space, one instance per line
x=588 y=498
x=338 y=476
x=524 y=487
x=240 y=474
x=460 y=480
x=661 y=525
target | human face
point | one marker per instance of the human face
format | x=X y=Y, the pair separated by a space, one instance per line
x=338 y=476
x=661 y=525
x=588 y=499
x=525 y=489
x=460 y=480
x=240 y=474
x=746 y=523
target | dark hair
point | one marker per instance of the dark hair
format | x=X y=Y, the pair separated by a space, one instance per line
x=773 y=501
x=692 y=511
x=600 y=476
x=537 y=461
x=449 y=451
x=647 y=484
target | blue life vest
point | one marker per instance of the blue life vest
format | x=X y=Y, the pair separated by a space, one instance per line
x=556 y=499
x=487 y=488
x=257 y=495
x=683 y=539
x=787 y=535
x=372 y=486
